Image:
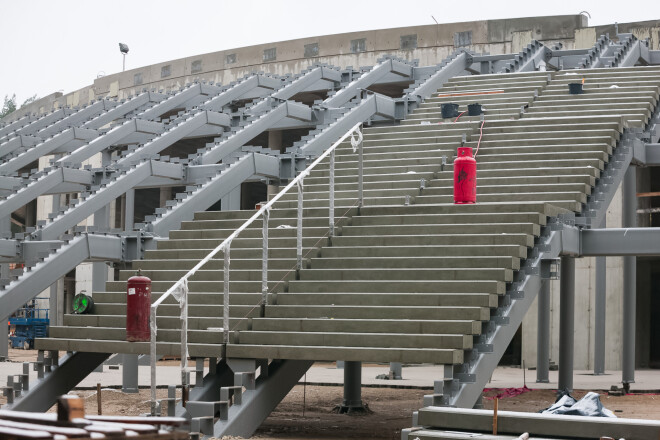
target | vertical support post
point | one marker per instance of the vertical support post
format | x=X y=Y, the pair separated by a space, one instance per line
x=5 y=231
x=129 y=212
x=360 y=175
x=629 y=211
x=331 y=196
x=129 y=374
x=225 y=294
x=566 y=323
x=185 y=375
x=601 y=308
x=4 y=340
x=352 y=387
x=299 y=226
x=99 y=269
x=152 y=359
x=543 y=334
x=264 y=259
x=56 y=290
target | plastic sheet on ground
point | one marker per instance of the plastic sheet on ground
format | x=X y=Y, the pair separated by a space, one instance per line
x=590 y=406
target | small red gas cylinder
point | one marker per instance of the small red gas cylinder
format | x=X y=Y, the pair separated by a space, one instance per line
x=465 y=177
x=138 y=305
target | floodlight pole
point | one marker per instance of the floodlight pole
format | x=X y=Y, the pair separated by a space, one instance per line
x=123 y=67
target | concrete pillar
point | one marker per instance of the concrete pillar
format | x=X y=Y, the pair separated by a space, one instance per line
x=600 y=312
x=352 y=387
x=566 y=323
x=275 y=140
x=395 y=370
x=129 y=374
x=129 y=209
x=232 y=201
x=543 y=333
x=629 y=220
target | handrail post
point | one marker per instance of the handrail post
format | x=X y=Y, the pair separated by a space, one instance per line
x=360 y=176
x=185 y=375
x=152 y=360
x=331 y=208
x=225 y=295
x=299 y=226
x=264 y=261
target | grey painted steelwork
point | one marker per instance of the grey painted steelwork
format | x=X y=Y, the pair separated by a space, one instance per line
x=352 y=388
x=601 y=309
x=20 y=141
x=252 y=87
x=620 y=242
x=44 y=121
x=629 y=220
x=189 y=97
x=78 y=117
x=129 y=373
x=70 y=370
x=244 y=419
x=543 y=334
x=451 y=66
x=566 y=323
x=81 y=248
x=529 y=59
x=124 y=108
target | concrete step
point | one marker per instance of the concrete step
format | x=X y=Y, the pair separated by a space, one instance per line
x=273 y=233
x=504 y=189
x=375 y=273
x=397 y=286
x=366 y=354
x=577 y=197
x=253 y=253
x=174 y=275
x=116 y=346
x=542 y=207
x=431 y=229
x=456 y=326
x=214 y=264
x=476 y=263
x=374 y=340
x=198 y=286
x=119 y=334
x=194 y=298
x=194 y=310
x=238 y=243
x=380 y=312
x=504 y=250
x=164 y=322
x=387 y=299
x=448 y=219
x=435 y=239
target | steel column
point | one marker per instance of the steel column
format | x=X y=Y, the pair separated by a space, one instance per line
x=629 y=220
x=566 y=323
x=331 y=196
x=543 y=334
x=56 y=299
x=129 y=374
x=601 y=307
x=5 y=228
x=352 y=387
x=129 y=210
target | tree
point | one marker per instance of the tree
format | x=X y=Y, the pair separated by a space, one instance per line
x=9 y=106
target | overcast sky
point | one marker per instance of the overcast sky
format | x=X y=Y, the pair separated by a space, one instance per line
x=63 y=45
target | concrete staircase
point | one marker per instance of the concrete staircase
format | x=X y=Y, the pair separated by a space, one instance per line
x=410 y=277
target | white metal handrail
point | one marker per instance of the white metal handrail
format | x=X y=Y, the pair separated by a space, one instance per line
x=180 y=289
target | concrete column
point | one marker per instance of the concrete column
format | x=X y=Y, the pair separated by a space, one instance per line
x=566 y=323
x=543 y=333
x=232 y=201
x=629 y=220
x=129 y=374
x=129 y=209
x=275 y=140
x=352 y=387
x=600 y=310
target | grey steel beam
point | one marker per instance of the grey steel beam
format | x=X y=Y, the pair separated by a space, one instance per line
x=20 y=141
x=647 y=154
x=16 y=125
x=99 y=199
x=600 y=312
x=629 y=220
x=344 y=95
x=219 y=121
x=113 y=137
x=43 y=185
x=566 y=323
x=299 y=85
x=10 y=183
x=252 y=87
x=9 y=248
x=372 y=105
x=72 y=369
x=45 y=121
x=77 y=118
x=654 y=57
x=235 y=141
x=55 y=266
x=450 y=67
x=529 y=58
x=124 y=108
x=620 y=242
x=592 y=58
x=244 y=419
x=179 y=100
x=71 y=136
x=543 y=334
x=245 y=167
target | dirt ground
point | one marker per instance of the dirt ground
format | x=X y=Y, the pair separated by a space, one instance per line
x=307 y=411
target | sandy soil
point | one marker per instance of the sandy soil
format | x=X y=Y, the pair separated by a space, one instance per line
x=307 y=411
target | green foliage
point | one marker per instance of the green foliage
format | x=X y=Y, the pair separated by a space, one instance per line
x=9 y=106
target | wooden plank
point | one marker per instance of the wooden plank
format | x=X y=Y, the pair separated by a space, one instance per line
x=69 y=432
x=170 y=421
x=649 y=194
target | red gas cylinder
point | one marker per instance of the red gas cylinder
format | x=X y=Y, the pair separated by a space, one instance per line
x=138 y=305
x=465 y=177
